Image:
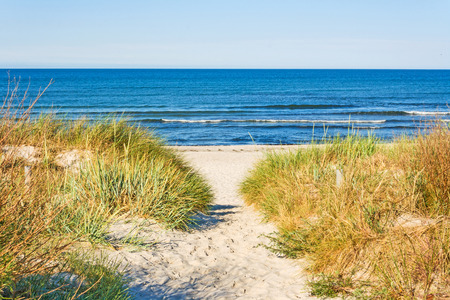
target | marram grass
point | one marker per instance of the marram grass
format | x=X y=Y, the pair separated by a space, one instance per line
x=148 y=187
x=44 y=214
x=387 y=223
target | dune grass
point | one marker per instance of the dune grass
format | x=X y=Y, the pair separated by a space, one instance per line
x=48 y=207
x=82 y=275
x=382 y=229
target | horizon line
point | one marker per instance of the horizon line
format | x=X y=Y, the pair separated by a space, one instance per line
x=208 y=68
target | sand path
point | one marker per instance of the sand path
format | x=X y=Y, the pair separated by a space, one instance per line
x=220 y=259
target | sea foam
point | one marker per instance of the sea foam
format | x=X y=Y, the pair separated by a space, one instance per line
x=428 y=113
x=276 y=121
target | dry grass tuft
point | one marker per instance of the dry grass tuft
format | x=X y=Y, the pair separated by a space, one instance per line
x=386 y=221
x=432 y=159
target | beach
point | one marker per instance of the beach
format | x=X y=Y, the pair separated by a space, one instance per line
x=222 y=258
x=225 y=150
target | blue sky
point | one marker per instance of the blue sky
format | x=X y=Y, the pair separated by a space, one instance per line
x=225 y=34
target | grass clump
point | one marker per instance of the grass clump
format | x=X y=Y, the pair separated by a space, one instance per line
x=432 y=160
x=64 y=182
x=25 y=248
x=330 y=286
x=144 y=187
x=82 y=276
x=363 y=210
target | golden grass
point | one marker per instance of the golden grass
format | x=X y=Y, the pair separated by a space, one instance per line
x=387 y=222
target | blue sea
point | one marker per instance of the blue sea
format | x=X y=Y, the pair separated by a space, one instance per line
x=237 y=107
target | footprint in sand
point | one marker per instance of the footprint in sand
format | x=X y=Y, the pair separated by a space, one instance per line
x=221 y=259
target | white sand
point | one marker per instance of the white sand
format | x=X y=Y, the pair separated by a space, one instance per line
x=220 y=259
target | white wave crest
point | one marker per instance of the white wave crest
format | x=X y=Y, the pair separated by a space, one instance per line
x=427 y=113
x=192 y=121
x=276 y=121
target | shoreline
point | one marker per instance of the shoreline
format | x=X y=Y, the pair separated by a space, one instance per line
x=255 y=148
x=238 y=148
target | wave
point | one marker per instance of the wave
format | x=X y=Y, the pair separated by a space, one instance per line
x=393 y=113
x=384 y=113
x=428 y=113
x=296 y=106
x=272 y=121
x=185 y=113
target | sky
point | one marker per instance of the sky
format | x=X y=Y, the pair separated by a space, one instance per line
x=293 y=34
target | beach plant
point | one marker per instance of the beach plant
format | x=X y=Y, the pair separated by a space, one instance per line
x=432 y=160
x=143 y=187
x=84 y=275
x=128 y=171
x=386 y=221
x=330 y=286
x=48 y=209
x=25 y=247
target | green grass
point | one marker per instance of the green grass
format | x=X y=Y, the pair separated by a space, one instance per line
x=85 y=276
x=330 y=286
x=352 y=229
x=126 y=172
x=130 y=172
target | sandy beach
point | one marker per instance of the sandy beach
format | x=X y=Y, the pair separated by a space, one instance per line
x=222 y=257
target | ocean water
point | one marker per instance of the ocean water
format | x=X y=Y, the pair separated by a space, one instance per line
x=224 y=107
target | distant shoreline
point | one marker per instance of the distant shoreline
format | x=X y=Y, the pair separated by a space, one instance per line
x=237 y=148
x=252 y=148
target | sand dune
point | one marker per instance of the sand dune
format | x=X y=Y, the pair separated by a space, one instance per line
x=221 y=258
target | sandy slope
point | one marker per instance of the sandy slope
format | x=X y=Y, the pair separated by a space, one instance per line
x=221 y=259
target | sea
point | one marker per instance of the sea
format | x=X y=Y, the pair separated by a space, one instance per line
x=240 y=107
